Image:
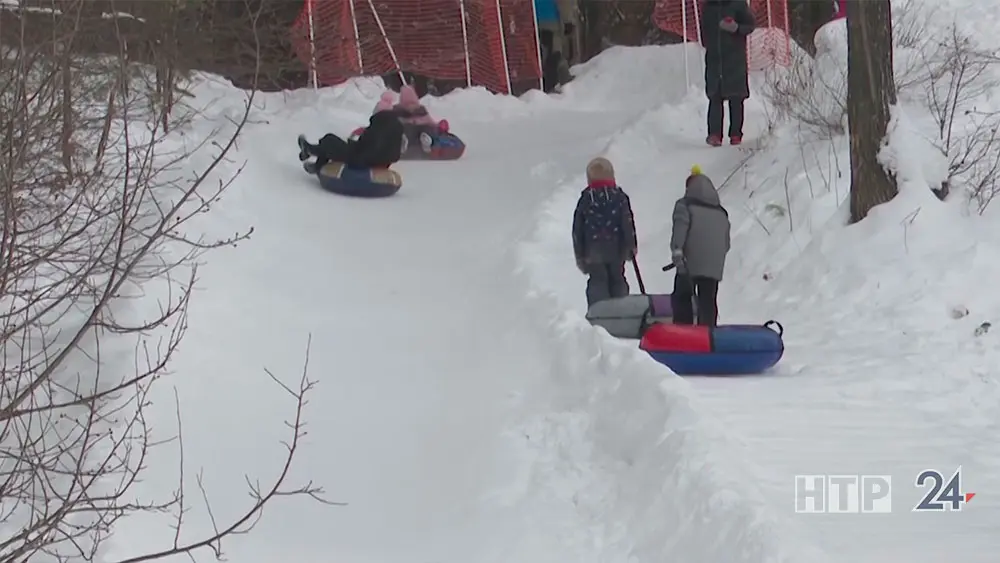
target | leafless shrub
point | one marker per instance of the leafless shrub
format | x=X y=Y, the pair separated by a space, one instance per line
x=810 y=93
x=911 y=31
x=956 y=76
x=93 y=206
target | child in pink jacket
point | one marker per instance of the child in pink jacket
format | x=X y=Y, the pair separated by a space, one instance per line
x=411 y=111
x=417 y=120
x=385 y=102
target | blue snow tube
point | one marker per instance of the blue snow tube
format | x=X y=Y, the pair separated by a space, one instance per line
x=720 y=350
x=445 y=146
x=375 y=182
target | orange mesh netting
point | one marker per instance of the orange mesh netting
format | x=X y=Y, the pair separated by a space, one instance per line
x=487 y=43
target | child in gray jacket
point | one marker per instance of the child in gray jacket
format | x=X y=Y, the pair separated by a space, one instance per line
x=699 y=244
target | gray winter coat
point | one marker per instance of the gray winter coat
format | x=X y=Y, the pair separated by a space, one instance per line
x=701 y=230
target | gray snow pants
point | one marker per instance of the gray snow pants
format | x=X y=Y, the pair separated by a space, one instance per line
x=606 y=281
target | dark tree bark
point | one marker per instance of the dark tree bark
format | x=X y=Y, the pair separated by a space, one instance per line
x=871 y=90
x=605 y=23
x=805 y=17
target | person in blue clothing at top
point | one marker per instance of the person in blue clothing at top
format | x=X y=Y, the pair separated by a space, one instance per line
x=556 y=27
x=546 y=11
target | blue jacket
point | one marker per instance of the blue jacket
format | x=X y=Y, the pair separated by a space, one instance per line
x=546 y=11
x=603 y=225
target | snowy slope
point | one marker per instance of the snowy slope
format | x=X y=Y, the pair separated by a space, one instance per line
x=467 y=412
x=878 y=378
x=449 y=414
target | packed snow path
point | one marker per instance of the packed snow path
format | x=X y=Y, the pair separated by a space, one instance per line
x=417 y=337
x=427 y=351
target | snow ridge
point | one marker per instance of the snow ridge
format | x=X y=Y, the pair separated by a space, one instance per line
x=668 y=486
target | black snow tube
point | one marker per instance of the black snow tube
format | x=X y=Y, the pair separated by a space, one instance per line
x=375 y=182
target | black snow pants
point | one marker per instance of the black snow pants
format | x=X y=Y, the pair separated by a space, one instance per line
x=716 y=116
x=687 y=291
x=330 y=147
x=605 y=281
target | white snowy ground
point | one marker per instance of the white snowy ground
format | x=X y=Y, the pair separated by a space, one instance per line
x=467 y=412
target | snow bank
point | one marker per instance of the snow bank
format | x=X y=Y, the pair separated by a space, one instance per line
x=885 y=312
x=658 y=480
x=671 y=484
x=888 y=327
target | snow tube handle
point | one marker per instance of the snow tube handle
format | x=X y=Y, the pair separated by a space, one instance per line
x=773 y=323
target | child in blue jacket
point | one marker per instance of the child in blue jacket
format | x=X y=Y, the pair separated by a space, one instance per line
x=603 y=233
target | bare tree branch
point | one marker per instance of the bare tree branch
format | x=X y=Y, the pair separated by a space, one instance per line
x=93 y=208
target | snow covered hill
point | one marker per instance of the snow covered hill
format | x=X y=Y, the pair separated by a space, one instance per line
x=467 y=412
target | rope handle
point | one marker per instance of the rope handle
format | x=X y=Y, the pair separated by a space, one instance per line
x=772 y=324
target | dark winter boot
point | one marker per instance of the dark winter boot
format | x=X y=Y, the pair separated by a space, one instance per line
x=303 y=152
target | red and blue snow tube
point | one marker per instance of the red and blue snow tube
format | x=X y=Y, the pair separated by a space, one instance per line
x=720 y=350
x=444 y=146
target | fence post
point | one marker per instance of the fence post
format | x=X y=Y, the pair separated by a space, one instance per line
x=684 y=36
x=465 y=45
x=392 y=52
x=697 y=27
x=697 y=21
x=503 y=48
x=312 y=46
x=357 y=38
x=538 y=46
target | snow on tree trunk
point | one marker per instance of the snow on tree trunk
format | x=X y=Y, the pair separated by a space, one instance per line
x=871 y=90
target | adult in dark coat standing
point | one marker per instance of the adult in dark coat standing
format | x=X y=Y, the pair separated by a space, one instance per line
x=725 y=25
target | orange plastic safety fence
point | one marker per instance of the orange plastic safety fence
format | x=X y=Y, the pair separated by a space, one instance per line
x=768 y=46
x=489 y=43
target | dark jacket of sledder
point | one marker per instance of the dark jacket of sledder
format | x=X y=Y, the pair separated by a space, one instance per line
x=701 y=229
x=603 y=225
x=380 y=144
x=725 y=52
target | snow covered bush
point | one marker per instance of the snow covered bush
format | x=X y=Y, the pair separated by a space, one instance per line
x=954 y=79
x=939 y=69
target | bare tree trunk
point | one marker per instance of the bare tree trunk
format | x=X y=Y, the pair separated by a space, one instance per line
x=871 y=90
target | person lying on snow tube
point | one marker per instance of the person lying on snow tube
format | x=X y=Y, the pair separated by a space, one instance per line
x=379 y=146
x=418 y=125
x=385 y=103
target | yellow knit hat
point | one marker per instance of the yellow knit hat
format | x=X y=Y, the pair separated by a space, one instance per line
x=695 y=170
